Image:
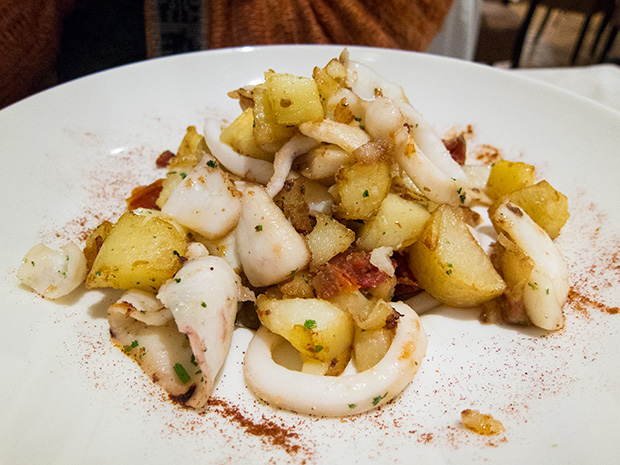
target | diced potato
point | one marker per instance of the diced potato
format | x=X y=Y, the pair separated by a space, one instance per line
x=327 y=85
x=546 y=206
x=190 y=152
x=367 y=313
x=450 y=265
x=361 y=189
x=507 y=177
x=268 y=133
x=369 y=347
x=397 y=224
x=240 y=136
x=323 y=162
x=95 y=241
x=298 y=286
x=294 y=99
x=140 y=252
x=316 y=328
x=328 y=238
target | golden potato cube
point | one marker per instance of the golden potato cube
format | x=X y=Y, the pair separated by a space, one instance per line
x=361 y=189
x=327 y=85
x=240 y=136
x=190 y=151
x=369 y=347
x=508 y=176
x=328 y=238
x=294 y=99
x=95 y=241
x=449 y=263
x=546 y=206
x=397 y=224
x=140 y=252
x=316 y=328
x=268 y=133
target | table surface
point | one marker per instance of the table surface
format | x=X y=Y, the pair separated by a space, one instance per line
x=600 y=83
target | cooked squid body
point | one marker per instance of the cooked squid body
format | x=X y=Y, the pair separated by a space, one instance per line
x=418 y=150
x=206 y=201
x=283 y=160
x=337 y=395
x=142 y=306
x=252 y=169
x=203 y=300
x=155 y=343
x=547 y=286
x=269 y=248
x=53 y=273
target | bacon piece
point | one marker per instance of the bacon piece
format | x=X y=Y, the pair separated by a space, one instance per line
x=145 y=196
x=348 y=271
x=407 y=286
x=457 y=146
x=164 y=159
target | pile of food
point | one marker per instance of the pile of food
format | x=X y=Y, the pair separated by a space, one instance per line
x=321 y=216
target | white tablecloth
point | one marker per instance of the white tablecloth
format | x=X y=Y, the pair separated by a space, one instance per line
x=597 y=82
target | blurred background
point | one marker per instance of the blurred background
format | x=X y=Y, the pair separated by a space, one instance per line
x=100 y=34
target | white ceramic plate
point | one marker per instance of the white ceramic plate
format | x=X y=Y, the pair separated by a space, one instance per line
x=72 y=154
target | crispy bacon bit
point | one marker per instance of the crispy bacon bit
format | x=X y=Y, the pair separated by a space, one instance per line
x=145 y=196
x=457 y=146
x=164 y=159
x=348 y=271
x=407 y=286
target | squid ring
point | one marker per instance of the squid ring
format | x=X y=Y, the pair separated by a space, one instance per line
x=337 y=395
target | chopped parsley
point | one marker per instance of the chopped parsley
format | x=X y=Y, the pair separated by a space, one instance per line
x=183 y=175
x=133 y=345
x=177 y=280
x=258 y=227
x=181 y=373
x=318 y=349
x=378 y=399
x=534 y=286
x=310 y=324
x=352 y=406
x=203 y=304
x=365 y=194
x=212 y=164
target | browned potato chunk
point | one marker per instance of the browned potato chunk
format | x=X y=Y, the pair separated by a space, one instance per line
x=370 y=346
x=319 y=330
x=268 y=133
x=397 y=224
x=507 y=177
x=240 y=136
x=450 y=265
x=140 y=252
x=294 y=99
x=328 y=238
x=546 y=206
x=360 y=189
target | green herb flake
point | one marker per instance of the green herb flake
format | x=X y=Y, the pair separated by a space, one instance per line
x=258 y=227
x=310 y=324
x=174 y=252
x=193 y=360
x=203 y=304
x=177 y=280
x=547 y=291
x=352 y=406
x=32 y=263
x=534 y=286
x=212 y=164
x=462 y=197
x=378 y=399
x=183 y=175
x=133 y=345
x=181 y=373
x=317 y=349
x=365 y=194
